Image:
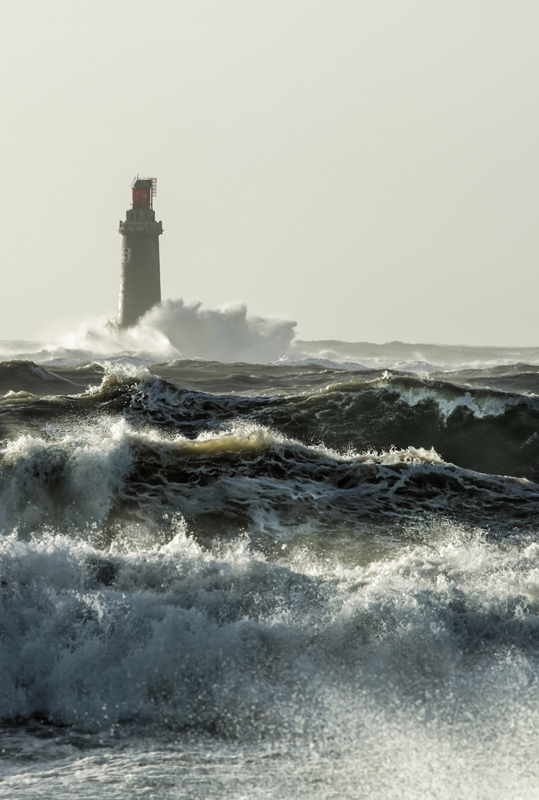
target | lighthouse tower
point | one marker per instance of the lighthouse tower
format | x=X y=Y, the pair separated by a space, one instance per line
x=140 y=283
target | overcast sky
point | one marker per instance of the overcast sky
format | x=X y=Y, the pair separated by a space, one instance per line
x=368 y=168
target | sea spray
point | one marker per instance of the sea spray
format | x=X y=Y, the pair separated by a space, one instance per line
x=172 y=329
x=221 y=335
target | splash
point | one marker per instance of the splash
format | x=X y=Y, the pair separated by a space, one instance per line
x=221 y=335
x=170 y=330
x=174 y=329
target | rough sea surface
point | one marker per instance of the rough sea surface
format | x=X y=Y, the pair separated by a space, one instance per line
x=314 y=577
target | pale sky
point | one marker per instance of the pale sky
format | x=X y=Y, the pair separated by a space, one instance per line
x=368 y=168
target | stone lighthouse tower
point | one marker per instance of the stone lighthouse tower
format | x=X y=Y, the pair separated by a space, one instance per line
x=140 y=283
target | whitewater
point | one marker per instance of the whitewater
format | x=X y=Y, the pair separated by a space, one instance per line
x=239 y=564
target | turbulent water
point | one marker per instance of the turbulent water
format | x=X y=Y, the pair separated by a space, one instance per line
x=314 y=577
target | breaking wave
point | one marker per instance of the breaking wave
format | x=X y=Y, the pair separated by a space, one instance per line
x=136 y=449
x=428 y=660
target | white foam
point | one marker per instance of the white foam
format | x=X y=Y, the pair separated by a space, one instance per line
x=410 y=676
x=481 y=405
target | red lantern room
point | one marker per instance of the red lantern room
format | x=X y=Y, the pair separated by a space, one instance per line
x=143 y=191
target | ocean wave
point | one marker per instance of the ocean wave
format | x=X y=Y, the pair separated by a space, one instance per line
x=26 y=376
x=399 y=355
x=109 y=474
x=182 y=638
x=475 y=428
x=479 y=429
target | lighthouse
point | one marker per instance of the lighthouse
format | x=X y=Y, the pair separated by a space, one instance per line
x=140 y=282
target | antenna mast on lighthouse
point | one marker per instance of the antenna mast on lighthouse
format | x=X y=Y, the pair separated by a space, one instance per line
x=140 y=282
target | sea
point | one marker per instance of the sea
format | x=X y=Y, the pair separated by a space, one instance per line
x=237 y=564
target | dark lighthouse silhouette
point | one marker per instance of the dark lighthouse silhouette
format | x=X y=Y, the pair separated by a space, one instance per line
x=140 y=282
